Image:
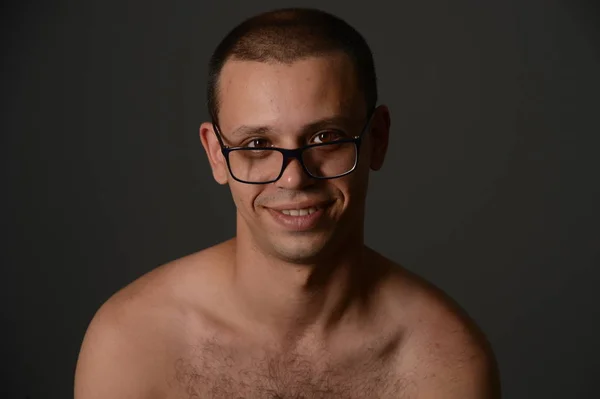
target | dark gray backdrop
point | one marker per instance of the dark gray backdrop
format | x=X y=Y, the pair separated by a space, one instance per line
x=490 y=188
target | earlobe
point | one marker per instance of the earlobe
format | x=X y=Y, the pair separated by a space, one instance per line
x=213 y=152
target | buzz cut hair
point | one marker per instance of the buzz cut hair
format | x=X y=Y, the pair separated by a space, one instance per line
x=288 y=35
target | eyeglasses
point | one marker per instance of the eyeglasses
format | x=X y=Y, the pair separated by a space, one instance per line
x=263 y=165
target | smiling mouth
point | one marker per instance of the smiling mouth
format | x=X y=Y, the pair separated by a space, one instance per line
x=301 y=216
x=299 y=212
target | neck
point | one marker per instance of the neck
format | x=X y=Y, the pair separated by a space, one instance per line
x=288 y=299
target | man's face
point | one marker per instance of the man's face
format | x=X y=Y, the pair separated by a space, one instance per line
x=287 y=106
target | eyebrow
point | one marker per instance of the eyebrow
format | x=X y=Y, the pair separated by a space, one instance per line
x=247 y=130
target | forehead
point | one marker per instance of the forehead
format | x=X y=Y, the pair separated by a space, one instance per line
x=297 y=92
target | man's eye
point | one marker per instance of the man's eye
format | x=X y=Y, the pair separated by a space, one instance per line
x=327 y=136
x=257 y=143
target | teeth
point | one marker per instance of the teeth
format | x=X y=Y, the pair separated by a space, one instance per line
x=299 y=212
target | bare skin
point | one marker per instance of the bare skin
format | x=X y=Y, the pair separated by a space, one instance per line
x=282 y=312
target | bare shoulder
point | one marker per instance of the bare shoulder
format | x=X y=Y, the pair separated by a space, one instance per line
x=139 y=326
x=445 y=352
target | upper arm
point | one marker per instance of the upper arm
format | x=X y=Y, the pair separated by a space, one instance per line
x=109 y=363
x=475 y=378
x=453 y=358
x=462 y=366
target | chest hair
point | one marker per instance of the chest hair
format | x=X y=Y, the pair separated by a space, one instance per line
x=213 y=371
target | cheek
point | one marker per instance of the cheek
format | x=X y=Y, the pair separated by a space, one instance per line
x=243 y=196
x=350 y=188
x=354 y=188
x=365 y=153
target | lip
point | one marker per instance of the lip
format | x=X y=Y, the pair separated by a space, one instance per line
x=299 y=223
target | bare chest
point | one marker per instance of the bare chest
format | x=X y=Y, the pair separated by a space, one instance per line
x=215 y=372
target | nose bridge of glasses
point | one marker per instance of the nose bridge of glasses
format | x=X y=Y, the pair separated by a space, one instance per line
x=289 y=156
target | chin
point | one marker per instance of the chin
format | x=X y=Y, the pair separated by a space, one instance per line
x=299 y=248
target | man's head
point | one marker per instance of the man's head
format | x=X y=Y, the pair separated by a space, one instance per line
x=288 y=35
x=288 y=79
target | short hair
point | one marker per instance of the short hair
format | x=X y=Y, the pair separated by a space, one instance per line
x=289 y=34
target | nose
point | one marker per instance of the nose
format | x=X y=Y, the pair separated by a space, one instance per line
x=294 y=176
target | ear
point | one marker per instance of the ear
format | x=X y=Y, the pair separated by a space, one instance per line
x=213 y=152
x=379 y=136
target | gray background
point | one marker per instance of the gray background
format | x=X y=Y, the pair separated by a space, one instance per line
x=490 y=188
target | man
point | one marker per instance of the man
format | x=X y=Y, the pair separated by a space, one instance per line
x=295 y=306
